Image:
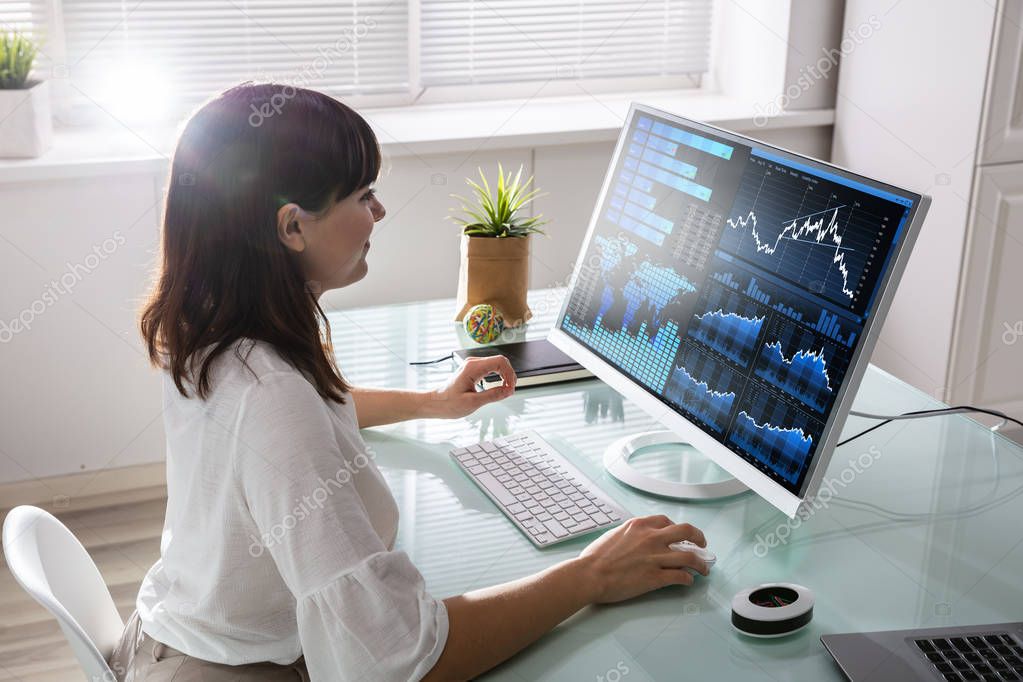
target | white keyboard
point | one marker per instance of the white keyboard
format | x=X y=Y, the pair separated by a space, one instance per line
x=538 y=489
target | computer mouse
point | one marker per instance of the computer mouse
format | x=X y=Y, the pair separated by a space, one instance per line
x=705 y=554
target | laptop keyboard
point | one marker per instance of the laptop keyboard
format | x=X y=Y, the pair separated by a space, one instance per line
x=974 y=657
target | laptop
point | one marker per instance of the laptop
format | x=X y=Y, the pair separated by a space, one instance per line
x=979 y=652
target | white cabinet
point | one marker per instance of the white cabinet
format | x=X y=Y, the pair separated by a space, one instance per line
x=987 y=351
x=1002 y=131
x=986 y=359
x=949 y=123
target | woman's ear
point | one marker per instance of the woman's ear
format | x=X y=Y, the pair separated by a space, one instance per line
x=291 y=227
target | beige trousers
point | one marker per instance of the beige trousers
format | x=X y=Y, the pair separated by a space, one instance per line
x=140 y=658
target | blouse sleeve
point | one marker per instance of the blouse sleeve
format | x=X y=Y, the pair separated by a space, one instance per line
x=362 y=611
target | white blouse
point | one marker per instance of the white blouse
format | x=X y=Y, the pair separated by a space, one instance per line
x=279 y=534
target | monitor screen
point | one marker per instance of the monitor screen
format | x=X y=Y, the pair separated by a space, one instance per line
x=734 y=282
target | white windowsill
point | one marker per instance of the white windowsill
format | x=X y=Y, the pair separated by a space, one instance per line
x=421 y=129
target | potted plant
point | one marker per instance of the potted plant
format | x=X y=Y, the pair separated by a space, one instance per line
x=26 y=129
x=495 y=245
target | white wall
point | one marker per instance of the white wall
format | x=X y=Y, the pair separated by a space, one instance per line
x=80 y=395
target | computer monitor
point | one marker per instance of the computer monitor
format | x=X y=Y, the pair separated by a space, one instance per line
x=734 y=291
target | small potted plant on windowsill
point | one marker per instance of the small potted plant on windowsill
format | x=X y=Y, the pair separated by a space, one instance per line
x=495 y=246
x=26 y=129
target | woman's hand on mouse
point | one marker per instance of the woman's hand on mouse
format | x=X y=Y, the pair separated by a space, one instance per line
x=635 y=558
x=460 y=397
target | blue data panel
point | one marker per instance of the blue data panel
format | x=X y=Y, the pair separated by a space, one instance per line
x=734 y=285
x=779 y=436
x=704 y=387
x=629 y=313
x=799 y=362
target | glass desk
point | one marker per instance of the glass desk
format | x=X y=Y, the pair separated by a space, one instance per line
x=923 y=529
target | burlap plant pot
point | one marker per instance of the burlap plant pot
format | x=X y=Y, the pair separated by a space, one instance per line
x=495 y=270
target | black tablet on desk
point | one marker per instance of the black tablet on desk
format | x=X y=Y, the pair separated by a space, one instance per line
x=535 y=362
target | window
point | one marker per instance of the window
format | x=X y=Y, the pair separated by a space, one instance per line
x=143 y=57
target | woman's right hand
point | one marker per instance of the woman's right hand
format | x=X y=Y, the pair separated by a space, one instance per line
x=635 y=558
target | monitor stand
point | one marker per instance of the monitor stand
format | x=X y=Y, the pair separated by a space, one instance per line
x=616 y=461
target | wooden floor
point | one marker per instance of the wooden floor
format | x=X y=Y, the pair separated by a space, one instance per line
x=122 y=533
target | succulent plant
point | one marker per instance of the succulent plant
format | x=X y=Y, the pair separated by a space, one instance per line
x=17 y=52
x=498 y=214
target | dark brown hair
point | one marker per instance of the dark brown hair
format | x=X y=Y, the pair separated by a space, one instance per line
x=223 y=274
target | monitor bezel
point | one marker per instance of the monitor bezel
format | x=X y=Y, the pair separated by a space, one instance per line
x=768 y=488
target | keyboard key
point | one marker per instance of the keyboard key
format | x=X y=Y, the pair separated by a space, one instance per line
x=600 y=518
x=585 y=524
x=556 y=529
x=488 y=481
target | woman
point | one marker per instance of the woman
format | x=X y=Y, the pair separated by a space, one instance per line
x=277 y=559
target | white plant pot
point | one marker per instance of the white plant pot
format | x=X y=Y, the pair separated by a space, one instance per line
x=26 y=126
